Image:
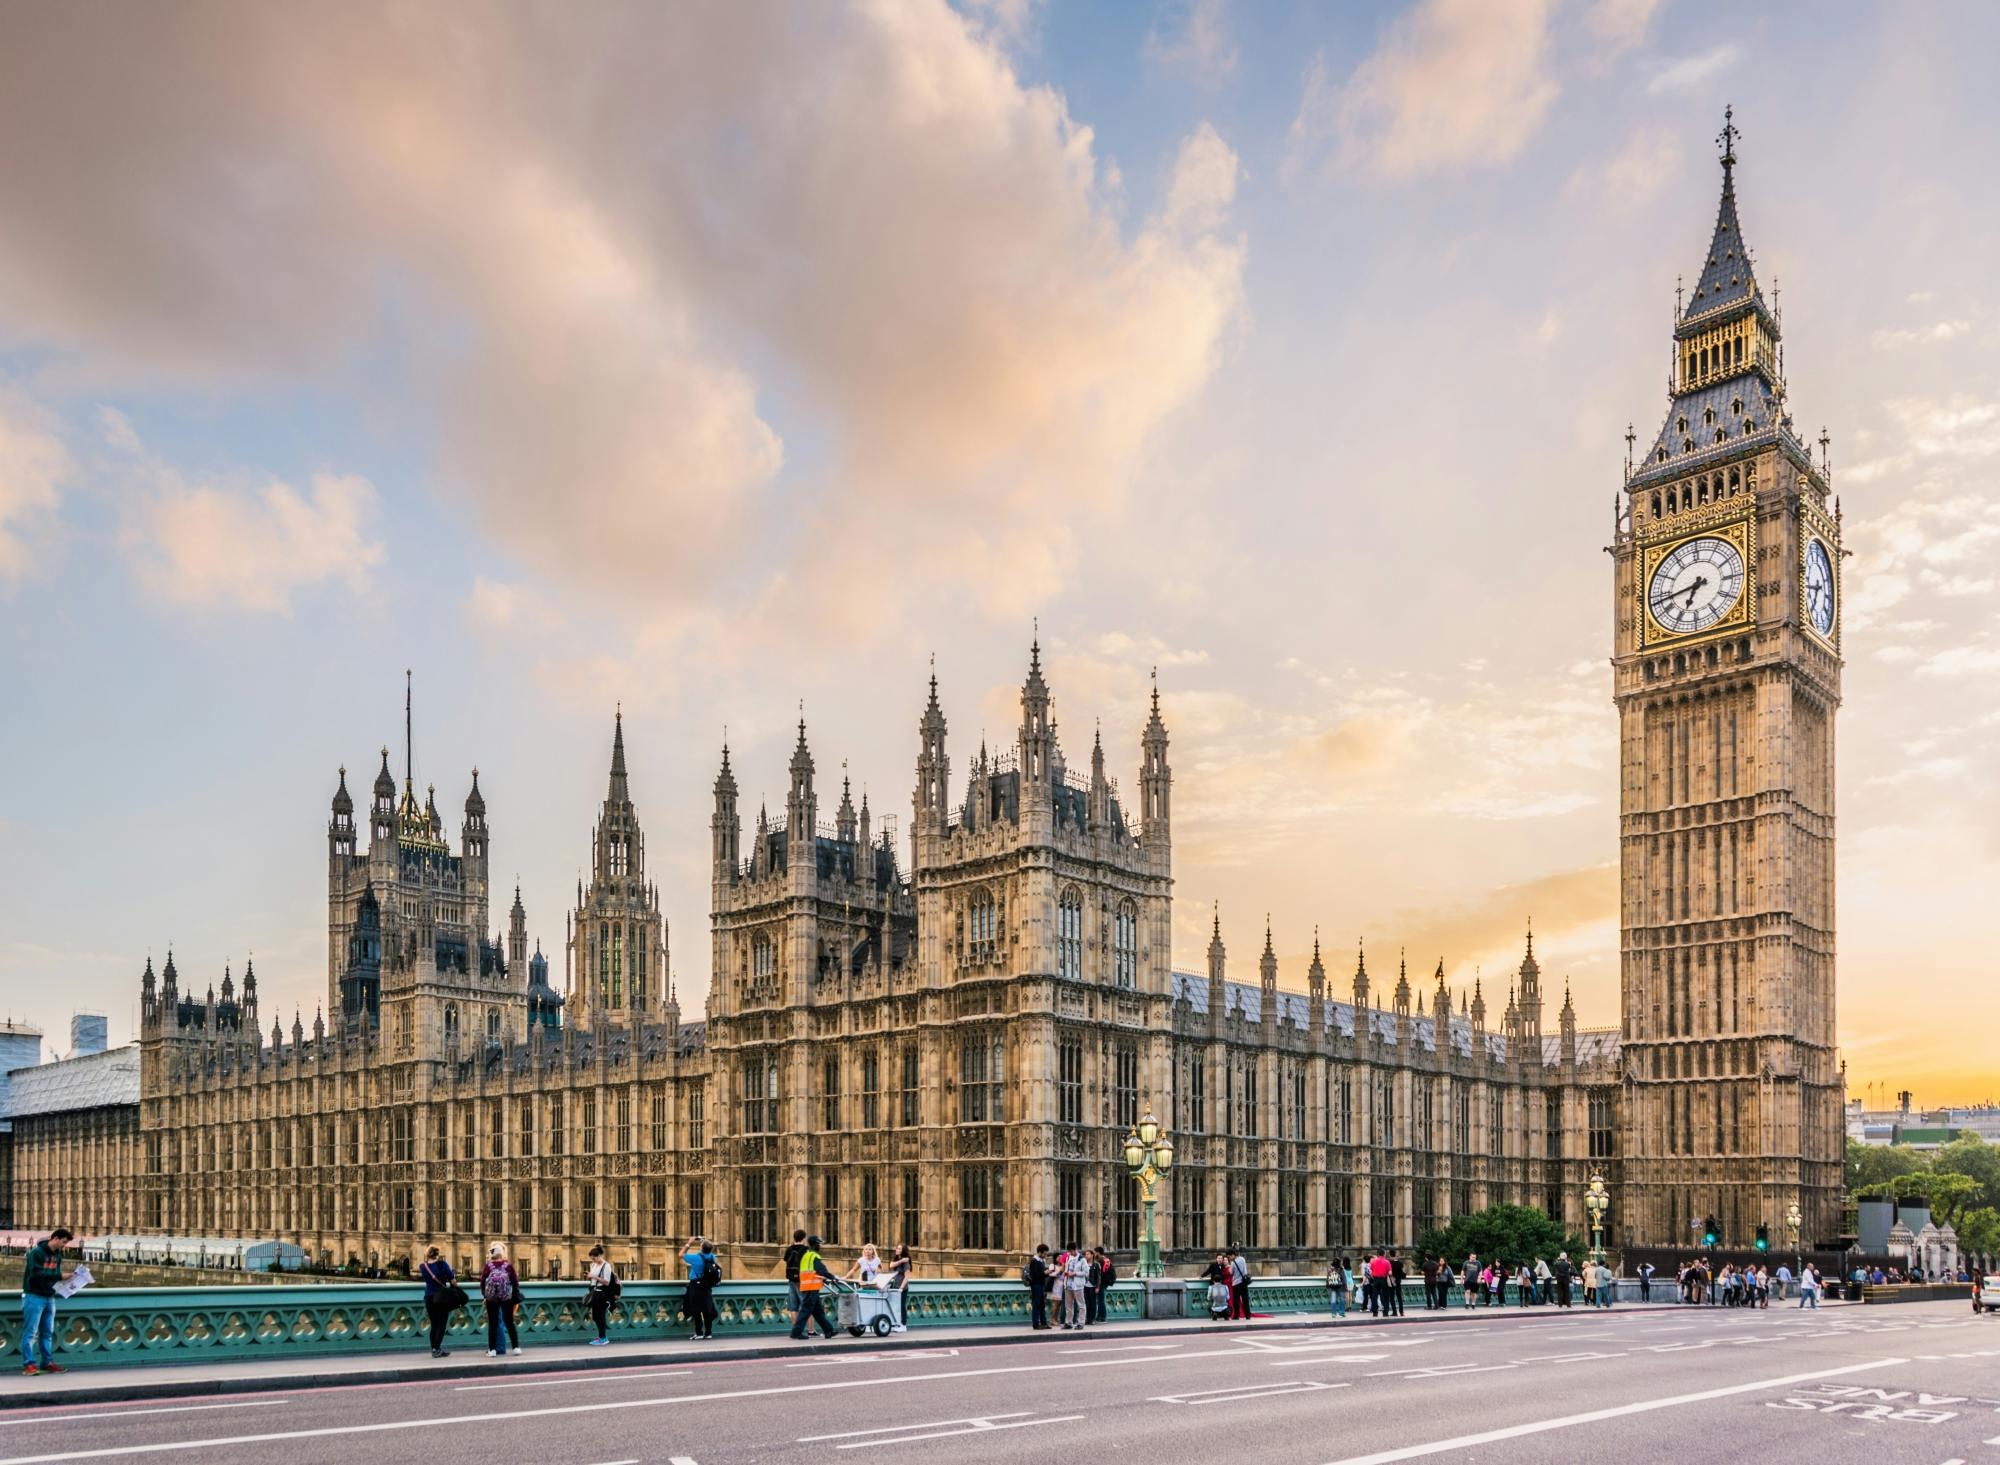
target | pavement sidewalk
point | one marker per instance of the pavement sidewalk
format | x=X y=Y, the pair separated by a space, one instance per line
x=110 y=1383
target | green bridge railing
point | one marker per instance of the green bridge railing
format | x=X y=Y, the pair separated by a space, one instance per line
x=180 y=1325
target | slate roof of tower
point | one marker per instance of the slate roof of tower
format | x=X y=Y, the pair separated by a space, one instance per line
x=1727 y=275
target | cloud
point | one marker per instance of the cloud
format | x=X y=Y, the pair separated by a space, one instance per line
x=495 y=605
x=1958 y=661
x=1192 y=37
x=1450 y=84
x=34 y=465
x=207 y=546
x=596 y=291
x=1620 y=24
x=1944 y=330
x=1632 y=175
x=1688 y=72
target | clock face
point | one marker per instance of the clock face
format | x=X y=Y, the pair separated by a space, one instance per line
x=1819 y=587
x=1695 y=585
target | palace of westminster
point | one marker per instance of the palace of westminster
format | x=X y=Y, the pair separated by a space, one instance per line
x=944 y=1041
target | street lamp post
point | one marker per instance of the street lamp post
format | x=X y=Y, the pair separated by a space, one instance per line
x=1597 y=1201
x=1792 y=1222
x=1149 y=1154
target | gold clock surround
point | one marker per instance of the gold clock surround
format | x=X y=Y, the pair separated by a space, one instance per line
x=1733 y=525
x=1815 y=525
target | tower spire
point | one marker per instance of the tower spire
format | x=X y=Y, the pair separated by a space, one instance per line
x=619 y=791
x=409 y=742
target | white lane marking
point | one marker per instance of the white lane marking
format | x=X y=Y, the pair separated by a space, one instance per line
x=570 y=1378
x=979 y=1426
x=1247 y=1391
x=75 y=1417
x=1644 y=1406
x=1567 y=1357
x=1319 y=1358
x=923 y=1356
x=680 y=1460
x=596 y=1406
x=1120 y=1348
x=848 y=1434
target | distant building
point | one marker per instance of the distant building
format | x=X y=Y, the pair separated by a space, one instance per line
x=20 y=1047
x=1921 y=1129
x=89 y=1033
x=76 y=1123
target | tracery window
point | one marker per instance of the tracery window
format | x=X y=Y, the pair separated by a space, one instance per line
x=982 y=927
x=1069 y=935
x=1125 y=946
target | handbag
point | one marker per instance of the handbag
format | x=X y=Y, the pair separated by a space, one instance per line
x=455 y=1297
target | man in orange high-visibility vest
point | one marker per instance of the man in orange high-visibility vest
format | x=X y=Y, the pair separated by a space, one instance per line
x=813 y=1277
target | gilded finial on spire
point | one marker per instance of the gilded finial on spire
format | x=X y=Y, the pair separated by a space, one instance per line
x=1727 y=137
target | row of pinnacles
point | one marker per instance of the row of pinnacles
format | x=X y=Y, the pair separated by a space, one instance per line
x=1289 y=1021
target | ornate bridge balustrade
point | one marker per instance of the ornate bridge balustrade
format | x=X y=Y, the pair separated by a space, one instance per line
x=182 y=1325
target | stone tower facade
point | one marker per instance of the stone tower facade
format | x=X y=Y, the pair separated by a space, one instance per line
x=1727 y=662
x=618 y=937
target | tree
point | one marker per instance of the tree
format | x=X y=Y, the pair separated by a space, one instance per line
x=1510 y=1234
x=1948 y=1195
x=1972 y=1156
x=1979 y=1231
x=1869 y=1165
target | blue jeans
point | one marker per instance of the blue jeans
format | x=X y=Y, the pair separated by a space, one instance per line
x=1809 y=1299
x=38 y=1325
x=1339 y=1295
x=1604 y=1296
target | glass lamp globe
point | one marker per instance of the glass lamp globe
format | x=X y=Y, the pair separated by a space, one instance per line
x=1149 y=1128
x=1135 y=1153
x=1163 y=1155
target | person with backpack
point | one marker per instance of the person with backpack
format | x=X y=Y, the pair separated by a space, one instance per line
x=1645 y=1281
x=813 y=1277
x=442 y=1297
x=499 y=1288
x=1337 y=1283
x=792 y=1254
x=1239 y=1285
x=605 y=1289
x=1107 y=1274
x=1035 y=1276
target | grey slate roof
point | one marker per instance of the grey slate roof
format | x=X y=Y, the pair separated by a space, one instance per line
x=1726 y=275
x=95 y=1081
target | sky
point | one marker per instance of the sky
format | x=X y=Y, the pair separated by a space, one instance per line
x=719 y=362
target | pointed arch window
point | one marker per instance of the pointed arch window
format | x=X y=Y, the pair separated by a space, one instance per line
x=1125 y=946
x=982 y=926
x=1069 y=934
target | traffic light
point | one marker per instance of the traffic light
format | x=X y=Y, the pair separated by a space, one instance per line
x=1763 y=1237
x=1710 y=1232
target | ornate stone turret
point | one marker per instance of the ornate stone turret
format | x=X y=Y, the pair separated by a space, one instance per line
x=1267 y=983
x=1360 y=977
x=1156 y=780
x=725 y=826
x=1316 y=990
x=1441 y=1007
x=1567 y=1020
x=1217 y=973
x=1403 y=984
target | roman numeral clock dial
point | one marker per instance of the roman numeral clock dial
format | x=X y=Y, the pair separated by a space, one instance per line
x=1695 y=585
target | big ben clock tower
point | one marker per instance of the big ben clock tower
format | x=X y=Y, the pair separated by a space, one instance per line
x=1726 y=671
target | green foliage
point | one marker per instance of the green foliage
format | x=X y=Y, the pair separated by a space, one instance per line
x=1510 y=1234
x=1962 y=1177
x=1979 y=1230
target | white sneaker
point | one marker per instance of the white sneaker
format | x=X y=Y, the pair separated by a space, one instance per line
x=899 y=1328
x=600 y=1342
x=491 y=1354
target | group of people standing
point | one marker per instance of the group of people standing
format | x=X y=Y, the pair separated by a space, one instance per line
x=1377 y=1283
x=1729 y=1285
x=1077 y=1279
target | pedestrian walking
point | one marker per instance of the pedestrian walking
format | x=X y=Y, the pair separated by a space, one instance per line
x=792 y=1254
x=898 y=1287
x=1496 y=1283
x=442 y=1297
x=1395 y=1297
x=1037 y=1275
x=41 y=1269
x=1809 y=1286
x=605 y=1289
x=499 y=1287
x=813 y=1277
x=1783 y=1280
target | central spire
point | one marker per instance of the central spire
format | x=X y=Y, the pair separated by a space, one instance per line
x=619 y=791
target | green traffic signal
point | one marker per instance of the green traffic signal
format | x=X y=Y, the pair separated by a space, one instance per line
x=1763 y=1237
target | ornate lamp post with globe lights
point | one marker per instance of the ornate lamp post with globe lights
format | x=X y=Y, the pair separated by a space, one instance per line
x=1792 y=1225
x=1597 y=1201
x=1149 y=1154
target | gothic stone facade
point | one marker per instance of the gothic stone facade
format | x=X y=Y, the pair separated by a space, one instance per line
x=950 y=1055
x=1726 y=569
